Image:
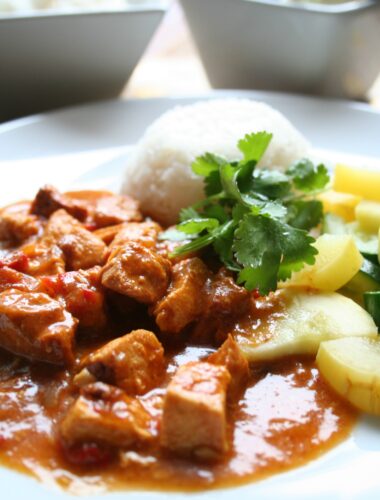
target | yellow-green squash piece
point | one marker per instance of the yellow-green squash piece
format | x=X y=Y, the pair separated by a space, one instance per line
x=367 y=214
x=363 y=182
x=337 y=262
x=300 y=323
x=340 y=204
x=351 y=366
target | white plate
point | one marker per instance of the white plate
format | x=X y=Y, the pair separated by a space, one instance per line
x=86 y=147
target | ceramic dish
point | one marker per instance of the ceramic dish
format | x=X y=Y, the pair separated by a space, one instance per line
x=52 y=59
x=288 y=46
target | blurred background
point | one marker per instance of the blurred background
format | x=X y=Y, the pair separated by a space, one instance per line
x=55 y=52
x=172 y=65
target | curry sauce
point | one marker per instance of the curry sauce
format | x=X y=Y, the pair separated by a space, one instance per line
x=117 y=368
x=286 y=417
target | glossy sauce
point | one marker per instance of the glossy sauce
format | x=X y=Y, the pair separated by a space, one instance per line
x=286 y=417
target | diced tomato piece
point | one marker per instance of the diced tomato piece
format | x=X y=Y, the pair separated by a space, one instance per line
x=49 y=285
x=90 y=295
x=256 y=293
x=90 y=226
x=17 y=261
x=88 y=454
x=3 y=440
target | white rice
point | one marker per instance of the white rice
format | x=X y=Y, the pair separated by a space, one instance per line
x=159 y=171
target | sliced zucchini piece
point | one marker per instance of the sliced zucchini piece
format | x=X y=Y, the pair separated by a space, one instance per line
x=333 y=224
x=352 y=367
x=367 y=243
x=302 y=322
x=367 y=279
x=372 y=304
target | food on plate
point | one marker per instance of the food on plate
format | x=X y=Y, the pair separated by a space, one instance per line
x=138 y=354
x=367 y=214
x=301 y=323
x=337 y=262
x=363 y=182
x=351 y=365
x=341 y=204
x=159 y=171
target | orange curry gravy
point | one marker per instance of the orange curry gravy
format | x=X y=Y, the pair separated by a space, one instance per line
x=286 y=417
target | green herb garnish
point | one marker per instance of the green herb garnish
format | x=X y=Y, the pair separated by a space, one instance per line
x=257 y=220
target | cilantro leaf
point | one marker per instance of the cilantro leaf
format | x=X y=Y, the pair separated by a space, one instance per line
x=255 y=236
x=172 y=234
x=261 y=243
x=263 y=278
x=213 y=183
x=216 y=212
x=238 y=212
x=237 y=181
x=272 y=184
x=188 y=213
x=194 y=246
x=254 y=145
x=300 y=251
x=304 y=214
x=256 y=220
x=307 y=177
x=228 y=178
x=271 y=208
x=195 y=226
x=206 y=164
x=223 y=245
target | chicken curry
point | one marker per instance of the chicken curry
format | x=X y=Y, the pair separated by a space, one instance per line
x=118 y=367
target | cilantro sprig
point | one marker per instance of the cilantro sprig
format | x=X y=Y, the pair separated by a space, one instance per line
x=256 y=220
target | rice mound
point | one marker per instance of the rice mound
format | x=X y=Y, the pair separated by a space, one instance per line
x=159 y=171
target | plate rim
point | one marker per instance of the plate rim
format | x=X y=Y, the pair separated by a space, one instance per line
x=246 y=490
x=218 y=93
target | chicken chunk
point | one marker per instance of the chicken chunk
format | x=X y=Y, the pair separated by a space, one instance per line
x=10 y=278
x=186 y=296
x=230 y=356
x=194 y=421
x=225 y=301
x=106 y=415
x=37 y=327
x=43 y=258
x=142 y=232
x=226 y=296
x=114 y=209
x=48 y=200
x=82 y=294
x=137 y=272
x=134 y=362
x=17 y=224
x=166 y=247
x=81 y=248
x=108 y=233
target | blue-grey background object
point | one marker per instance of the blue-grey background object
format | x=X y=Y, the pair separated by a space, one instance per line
x=311 y=48
x=53 y=60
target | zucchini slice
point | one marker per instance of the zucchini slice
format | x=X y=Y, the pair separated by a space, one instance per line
x=372 y=304
x=366 y=280
x=367 y=243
